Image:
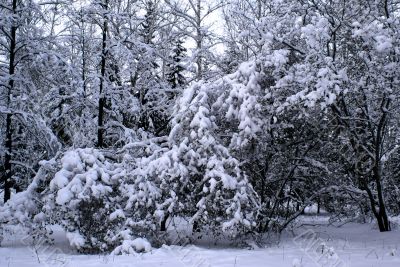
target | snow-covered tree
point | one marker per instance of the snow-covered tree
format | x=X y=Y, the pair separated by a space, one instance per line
x=342 y=61
x=194 y=15
x=25 y=59
x=175 y=75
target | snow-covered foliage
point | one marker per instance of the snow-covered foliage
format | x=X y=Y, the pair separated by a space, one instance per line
x=85 y=196
x=199 y=176
x=84 y=192
x=131 y=246
x=308 y=114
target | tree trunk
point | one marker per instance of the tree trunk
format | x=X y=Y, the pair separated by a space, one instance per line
x=7 y=160
x=383 y=222
x=163 y=226
x=100 y=122
x=381 y=215
x=8 y=141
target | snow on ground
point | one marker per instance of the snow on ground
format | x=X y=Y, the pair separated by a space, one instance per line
x=315 y=243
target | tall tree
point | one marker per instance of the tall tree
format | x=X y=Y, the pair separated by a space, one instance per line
x=25 y=43
x=11 y=35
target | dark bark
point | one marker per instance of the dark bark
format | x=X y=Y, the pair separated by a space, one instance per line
x=163 y=226
x=382 y=217
x=8 y=140
x=102 y=99
x=7 y=160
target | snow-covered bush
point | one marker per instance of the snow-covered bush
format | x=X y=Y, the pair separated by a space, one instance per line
x=105 y=205
x=199 y=176
x=26 y=208
x=83 y=196
x=200 y=171
x=132 y=246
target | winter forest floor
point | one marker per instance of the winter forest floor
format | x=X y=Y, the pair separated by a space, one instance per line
x=313 y=243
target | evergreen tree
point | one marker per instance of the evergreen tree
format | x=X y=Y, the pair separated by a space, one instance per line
x=174 y=75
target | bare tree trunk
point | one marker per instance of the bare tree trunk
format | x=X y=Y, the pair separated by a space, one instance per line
x=7 y=159
x=383 y=222
x=381 y=214
x=8 y=140
x=163 y=226
x=102 y=99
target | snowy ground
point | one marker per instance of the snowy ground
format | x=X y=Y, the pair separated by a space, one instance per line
x=309 y=245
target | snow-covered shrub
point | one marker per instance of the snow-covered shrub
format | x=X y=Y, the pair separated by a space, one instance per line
x=199 y=176
x=132 y=246
x=27 y=208
x=84 y=196
x=84 y=193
